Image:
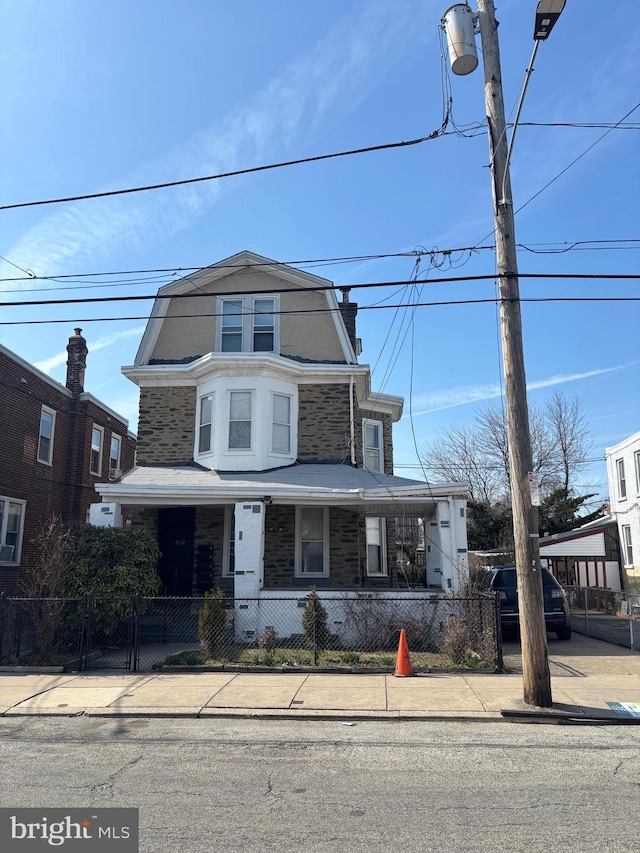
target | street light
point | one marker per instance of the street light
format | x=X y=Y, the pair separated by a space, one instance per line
x=547 y=14
x=535 y=661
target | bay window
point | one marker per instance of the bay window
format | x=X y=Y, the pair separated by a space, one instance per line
x=281 y=426
x=372 y=448
x=239 y=420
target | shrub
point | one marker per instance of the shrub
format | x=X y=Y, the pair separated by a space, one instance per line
x=314 y=622
x=212 y=620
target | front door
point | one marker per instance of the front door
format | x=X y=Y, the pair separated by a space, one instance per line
x=176 y=528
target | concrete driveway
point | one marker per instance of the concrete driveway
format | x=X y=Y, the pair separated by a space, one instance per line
x=579 y=657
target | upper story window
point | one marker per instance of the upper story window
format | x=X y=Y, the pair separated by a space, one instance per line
x=115 y=450
x=11 y=523
x=622 y=481
x=97 y=443
x=45 y=439
x=205 y=424
x=248 y=324
x=372 y=448
x=281 y=425
x=636 y=460
x=240 y=420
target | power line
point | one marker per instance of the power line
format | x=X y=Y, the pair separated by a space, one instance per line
x=376 y=307
x=315 y=288
x=235 y=173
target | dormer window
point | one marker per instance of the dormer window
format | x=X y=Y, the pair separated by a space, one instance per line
x=248 y=324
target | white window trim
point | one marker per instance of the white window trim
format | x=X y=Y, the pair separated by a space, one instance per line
x=17 y=553
x=382 y=522
x=100 y=429
x=627 y=544
x=248 y=315
x=51 y=412
x=251 y=448
x=202 y=397
x=272 y=422
x=379 y=424
x=636 y=462
x=326 y=544
x=118 y=438
x=620 y=467
x=226 y=543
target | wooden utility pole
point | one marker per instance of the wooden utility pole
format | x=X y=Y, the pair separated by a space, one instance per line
x=535 y=662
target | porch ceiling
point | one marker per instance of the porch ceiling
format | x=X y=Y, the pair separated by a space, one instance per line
x=340 y=485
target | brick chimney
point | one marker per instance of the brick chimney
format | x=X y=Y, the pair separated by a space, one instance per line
x=76 y=362
x=349 y=311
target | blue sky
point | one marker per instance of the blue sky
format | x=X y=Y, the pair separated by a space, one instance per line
x=103 y=96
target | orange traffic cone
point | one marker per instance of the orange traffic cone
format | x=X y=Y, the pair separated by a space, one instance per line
x=403 y=661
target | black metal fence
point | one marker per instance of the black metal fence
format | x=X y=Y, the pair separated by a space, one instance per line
x=605 y=615
x=347 y=630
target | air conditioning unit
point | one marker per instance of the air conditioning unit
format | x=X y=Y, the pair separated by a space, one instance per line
x=115 y=473
x=6 y=553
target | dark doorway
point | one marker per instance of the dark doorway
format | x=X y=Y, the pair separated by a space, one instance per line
x=176 y=528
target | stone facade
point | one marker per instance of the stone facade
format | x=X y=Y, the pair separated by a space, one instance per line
x=324 y=433
x=166 y=430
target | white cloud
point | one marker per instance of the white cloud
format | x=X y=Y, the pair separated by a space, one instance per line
x=320 y=87
x=48 y=364
x=463 y=395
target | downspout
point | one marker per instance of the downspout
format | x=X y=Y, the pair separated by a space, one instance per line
x=351 y=421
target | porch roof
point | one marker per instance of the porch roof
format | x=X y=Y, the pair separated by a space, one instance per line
x=294 y=484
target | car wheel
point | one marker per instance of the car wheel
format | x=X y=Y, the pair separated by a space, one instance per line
x=564 y=633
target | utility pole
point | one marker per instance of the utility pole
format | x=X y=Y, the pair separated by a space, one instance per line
x=533 y=635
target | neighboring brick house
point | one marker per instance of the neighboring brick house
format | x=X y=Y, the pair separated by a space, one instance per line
x=57 y=442
x=265 y=460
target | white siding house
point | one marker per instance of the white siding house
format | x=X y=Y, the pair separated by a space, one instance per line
x=623 y=473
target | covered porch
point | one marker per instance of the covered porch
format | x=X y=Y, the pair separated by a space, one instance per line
x=259 y=534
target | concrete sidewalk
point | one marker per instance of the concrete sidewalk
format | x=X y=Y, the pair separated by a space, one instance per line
x=299 y=695
x=586 y=674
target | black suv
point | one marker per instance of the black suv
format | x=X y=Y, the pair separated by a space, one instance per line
x=502 y=579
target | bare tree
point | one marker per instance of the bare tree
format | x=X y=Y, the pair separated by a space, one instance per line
x=479 y=453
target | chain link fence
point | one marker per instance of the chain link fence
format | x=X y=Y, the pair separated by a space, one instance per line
x=605 y=614
x=336 y=630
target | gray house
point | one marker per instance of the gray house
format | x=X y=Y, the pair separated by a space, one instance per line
x=264 y=459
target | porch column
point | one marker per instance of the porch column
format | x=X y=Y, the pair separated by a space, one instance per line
x=249 y=567
x=447 y=556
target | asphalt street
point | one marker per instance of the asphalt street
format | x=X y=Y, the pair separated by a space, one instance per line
x=304 y=785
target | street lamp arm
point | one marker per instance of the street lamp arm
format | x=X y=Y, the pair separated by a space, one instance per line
x=528 y=74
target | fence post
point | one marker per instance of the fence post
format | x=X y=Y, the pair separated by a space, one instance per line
x=498 y=623
x=586 y=611
x=2 y=607
x=315 y=630
x=136 y=632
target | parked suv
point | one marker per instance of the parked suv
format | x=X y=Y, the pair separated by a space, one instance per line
x=502 y=579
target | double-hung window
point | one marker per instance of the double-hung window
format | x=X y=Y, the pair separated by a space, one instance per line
x=627 y=546
x=636 y=460
x=248 y=324
x=372 y=449
x=115 y=449
x=240 y=420
x=622 y=481
x=376 y=529
x=312 y=542
x=11 y=522
x=232 y=322
x=205 y=424
x=281 y=426
x=45 y=438
x=97 y=442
